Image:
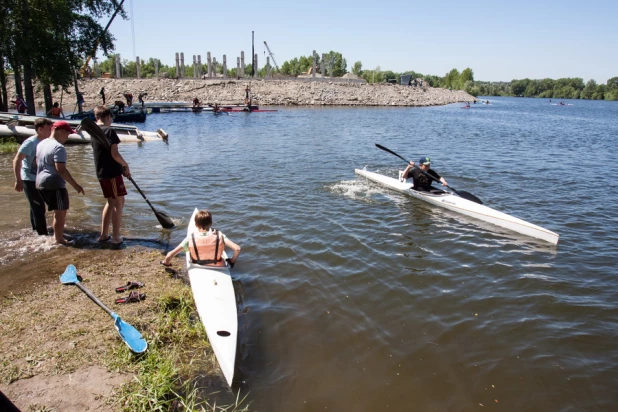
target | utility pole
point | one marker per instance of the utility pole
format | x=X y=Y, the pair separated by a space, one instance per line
x=252 y=53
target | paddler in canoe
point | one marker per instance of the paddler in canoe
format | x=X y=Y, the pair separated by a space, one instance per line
x=422 y=182
x=206 y=245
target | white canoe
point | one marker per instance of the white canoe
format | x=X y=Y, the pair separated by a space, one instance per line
x=214 y=297
x=458 y=204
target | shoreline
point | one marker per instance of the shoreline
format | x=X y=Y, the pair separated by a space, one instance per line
x=263 y=92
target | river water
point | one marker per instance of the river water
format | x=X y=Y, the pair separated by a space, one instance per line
x=358 y=298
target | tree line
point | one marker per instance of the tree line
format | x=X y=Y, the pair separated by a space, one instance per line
x=48 y=40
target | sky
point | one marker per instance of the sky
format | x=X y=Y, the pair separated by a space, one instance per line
x=499 y=40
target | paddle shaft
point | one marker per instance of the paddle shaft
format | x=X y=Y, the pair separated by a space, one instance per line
x=96 y=132
x=463 y=194
x=94 y=298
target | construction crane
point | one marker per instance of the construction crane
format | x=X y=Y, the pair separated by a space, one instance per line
x=271 y=55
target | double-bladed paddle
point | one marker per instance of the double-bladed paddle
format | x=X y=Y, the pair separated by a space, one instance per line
x=95 y=132
x=461 y=193
x=128 y=333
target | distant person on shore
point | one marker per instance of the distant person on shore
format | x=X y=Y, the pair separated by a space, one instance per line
x=129 y=98
x=196 y=102
x=206 y=245
x=56 y=111
x=215 y=108
x=140 y=98
x=20 y=104
x=110 y=166
x=24 y=167
x=119 y=104
x=419 y=175
x=102 y=94
x=247 y=91
x=52 y=175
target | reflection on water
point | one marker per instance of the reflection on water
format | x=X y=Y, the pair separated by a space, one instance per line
x=354 y=297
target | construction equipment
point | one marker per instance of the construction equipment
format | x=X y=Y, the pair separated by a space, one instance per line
x=85 y=70
x=272 y=56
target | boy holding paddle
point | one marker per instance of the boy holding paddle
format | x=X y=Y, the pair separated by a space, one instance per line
x=110 y=167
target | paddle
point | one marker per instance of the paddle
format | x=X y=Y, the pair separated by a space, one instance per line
x=461 y=193
x=95 y=131
x=128 y=333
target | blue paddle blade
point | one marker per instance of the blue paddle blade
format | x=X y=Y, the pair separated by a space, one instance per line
x=130 y=335
x=69 y=276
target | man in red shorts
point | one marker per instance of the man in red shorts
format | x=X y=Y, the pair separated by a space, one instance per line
x=110 y=167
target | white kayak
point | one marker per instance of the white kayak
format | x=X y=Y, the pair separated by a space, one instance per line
x=458 y=204
x=214 y=297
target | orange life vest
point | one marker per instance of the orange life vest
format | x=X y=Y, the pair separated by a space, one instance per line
x=55 y=111
x=207 y=250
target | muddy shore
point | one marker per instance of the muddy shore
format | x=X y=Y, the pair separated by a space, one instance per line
x=263 y=92
x=60 y=351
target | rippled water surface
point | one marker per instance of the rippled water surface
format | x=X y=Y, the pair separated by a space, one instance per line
x=358 y=298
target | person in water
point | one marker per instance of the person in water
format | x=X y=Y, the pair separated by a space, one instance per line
x=196 y=102
x=24 y=166
x=110 y=166
x=52 y=175
x=215 y=108
x=20 y=104
x=421 y=175
x=56 y=111
x=206 y=245
x=247 y=91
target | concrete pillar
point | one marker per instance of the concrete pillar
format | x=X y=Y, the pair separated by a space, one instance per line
x=242 y=64
x=322 y=64
x=255 y=66
x=199 y=66
x=224 y=67
x=177 y=65
x=137 y=67
x=214 y=67
x=182 y=64
x=238 y=67
x=267 y=67
x=194 y=66
x=156 y=68
x=209 y=61
x=332 y=64
x=118 y=75
x=313 y=71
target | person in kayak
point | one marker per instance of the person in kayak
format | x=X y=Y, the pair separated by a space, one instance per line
x=110 y=166
x=206 y=245
x=419 y=175
x=56 y=111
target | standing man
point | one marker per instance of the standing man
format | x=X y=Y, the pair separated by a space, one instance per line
x=247 y=91
x=102 y=94
x=24 y=167
x=110 y=167
x=52 y=175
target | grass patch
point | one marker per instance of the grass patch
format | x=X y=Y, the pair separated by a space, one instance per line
x=8 y=145
x=178 y=352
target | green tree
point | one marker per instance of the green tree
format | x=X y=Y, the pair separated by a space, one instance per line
x=451 y=80
x=466 y=76
x=357 y=68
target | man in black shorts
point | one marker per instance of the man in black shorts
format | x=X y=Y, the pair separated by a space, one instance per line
x=52 y=175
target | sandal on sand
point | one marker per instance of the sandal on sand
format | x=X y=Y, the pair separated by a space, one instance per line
x=163 y=263
x=107 y=239
x=133 y=297
x=129 y=286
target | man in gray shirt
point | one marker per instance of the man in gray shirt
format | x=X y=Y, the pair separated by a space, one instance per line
x=52 y=175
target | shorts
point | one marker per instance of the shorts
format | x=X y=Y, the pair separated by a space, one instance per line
x=57 y=199
x=113 y=187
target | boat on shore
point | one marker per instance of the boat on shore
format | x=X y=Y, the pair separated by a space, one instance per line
x=215 y=300
x=130 y=116
x=22 y=127
x=466 y=207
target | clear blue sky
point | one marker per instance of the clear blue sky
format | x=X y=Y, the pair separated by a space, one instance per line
x=499 y=40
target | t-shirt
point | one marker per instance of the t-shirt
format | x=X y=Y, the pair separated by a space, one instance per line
x=28 y=165
x=48 y=153
x=421 y=180
x=104 y=163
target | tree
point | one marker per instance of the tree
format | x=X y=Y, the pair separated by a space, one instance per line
x=466 y=76
x=50 y=38
x=357 y=68
x=589 y=89
x=451 y=80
